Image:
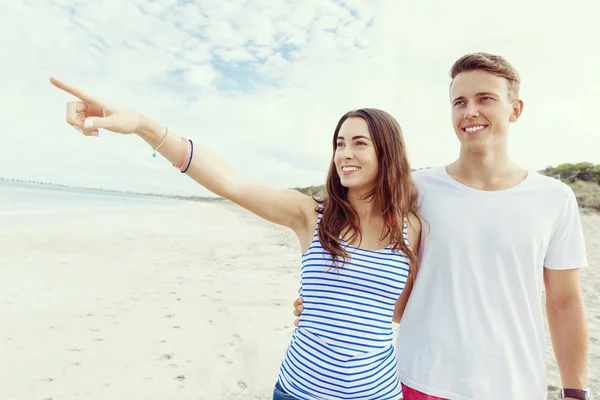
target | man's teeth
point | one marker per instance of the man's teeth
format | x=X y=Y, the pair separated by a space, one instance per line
x=348 y=169
x=475 y=128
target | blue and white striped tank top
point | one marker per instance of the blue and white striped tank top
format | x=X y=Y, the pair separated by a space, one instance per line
x=343 y=346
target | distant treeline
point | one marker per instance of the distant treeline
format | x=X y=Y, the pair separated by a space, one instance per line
x=583 y=177
x=570 y=173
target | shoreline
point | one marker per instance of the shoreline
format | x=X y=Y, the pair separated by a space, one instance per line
x=217 y=199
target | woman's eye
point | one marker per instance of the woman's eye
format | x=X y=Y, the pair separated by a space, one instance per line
x=360 y=143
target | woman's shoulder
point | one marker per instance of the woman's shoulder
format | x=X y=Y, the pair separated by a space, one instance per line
x=414 y=225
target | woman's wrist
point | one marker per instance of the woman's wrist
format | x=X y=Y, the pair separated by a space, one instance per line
x=150 y=131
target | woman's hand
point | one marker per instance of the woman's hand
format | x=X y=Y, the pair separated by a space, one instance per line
x=90 y=113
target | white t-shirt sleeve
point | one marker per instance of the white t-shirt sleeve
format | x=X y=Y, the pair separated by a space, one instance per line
x=567 y=245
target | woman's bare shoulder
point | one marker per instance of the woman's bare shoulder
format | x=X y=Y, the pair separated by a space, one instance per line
x=414 y=226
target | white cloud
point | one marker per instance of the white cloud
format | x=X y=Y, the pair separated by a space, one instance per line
x=293 y=68
x=202 y=75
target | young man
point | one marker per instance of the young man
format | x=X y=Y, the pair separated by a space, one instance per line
x=494 y=233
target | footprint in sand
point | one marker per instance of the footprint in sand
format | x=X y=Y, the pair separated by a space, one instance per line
x=284 y=328
x=240 y=388
x=169 y=356
x=224 y=357
x=237 y=338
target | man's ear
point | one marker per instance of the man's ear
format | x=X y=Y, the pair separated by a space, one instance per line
x=517 y=110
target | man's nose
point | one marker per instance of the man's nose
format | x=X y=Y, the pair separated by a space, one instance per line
x=471 y=111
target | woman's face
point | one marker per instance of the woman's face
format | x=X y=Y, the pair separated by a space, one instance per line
x=355 y=157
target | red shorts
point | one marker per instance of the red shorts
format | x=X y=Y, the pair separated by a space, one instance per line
x=412 y=394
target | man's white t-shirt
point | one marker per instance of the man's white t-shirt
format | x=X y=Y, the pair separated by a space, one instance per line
x=473 y=327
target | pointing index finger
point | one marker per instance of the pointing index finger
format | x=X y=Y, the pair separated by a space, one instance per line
x=72 y=90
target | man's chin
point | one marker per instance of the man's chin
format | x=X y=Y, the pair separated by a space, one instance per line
x=475 y=147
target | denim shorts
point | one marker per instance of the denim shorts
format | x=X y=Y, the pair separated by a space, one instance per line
x=280 y=394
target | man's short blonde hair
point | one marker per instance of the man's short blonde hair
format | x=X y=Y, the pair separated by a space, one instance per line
x=495 y=65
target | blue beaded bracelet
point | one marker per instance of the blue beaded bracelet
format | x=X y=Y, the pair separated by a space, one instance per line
x=191 y=155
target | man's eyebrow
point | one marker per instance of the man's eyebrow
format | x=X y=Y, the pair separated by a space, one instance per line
x=476 y=95
x=485 y=94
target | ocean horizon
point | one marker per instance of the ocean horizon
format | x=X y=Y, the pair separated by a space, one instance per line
x=20 y=200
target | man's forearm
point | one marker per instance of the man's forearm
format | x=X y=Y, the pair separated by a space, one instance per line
x=569 y=333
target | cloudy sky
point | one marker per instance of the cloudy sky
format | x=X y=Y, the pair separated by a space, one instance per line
x=263 y=82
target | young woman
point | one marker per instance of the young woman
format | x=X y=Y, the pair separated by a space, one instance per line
x=359 y=244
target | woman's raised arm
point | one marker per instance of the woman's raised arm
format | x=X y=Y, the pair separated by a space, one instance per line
x=284 y=207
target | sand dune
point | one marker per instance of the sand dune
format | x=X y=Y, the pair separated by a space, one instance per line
x=174 y=300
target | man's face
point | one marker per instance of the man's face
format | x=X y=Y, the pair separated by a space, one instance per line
x=481 y=110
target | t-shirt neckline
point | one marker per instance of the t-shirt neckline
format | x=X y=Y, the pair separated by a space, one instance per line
x=450 y=179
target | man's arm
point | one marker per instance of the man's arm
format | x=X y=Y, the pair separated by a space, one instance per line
x=415 y=226
x=568 y=325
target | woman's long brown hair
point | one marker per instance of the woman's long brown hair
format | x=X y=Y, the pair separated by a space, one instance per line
x=394 y=189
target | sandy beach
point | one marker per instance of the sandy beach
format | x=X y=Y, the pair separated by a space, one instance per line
x=169 y=300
